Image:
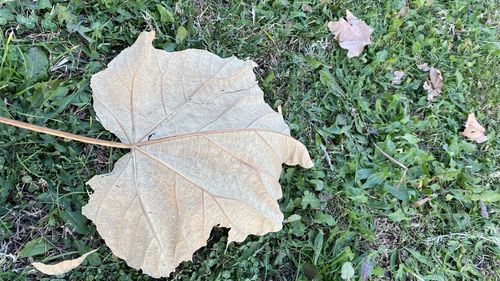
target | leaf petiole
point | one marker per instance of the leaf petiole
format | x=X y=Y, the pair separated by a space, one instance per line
x=62 y=134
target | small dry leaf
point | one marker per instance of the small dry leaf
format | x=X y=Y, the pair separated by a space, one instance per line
x=421 y=202
x=398 y=75
x=61 y=267
x=353 y=34
x=434 y=85
x=403 y=11
x=206 y=151
x=484 y=210
x=473 y=130
x=431 y=92
x=306 y=8
x=423 y=67
x=366 y=269
x=436 y=78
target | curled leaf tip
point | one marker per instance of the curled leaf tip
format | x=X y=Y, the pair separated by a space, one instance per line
x=61 y=267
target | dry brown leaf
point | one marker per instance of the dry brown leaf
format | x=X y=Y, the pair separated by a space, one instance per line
x=403 y=11
x=483 y=210
x=207 y=150
x=398 y=75
x=353 y=34
x=473 y=130
x=306 y=8
x=423 y=67
x=436 y=78
x=434 y=85
x=61 y=267
x=421 y=202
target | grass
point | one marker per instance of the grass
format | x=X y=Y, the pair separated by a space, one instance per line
x=349 y=208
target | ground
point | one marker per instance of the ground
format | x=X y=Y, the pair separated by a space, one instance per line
x=356 y=205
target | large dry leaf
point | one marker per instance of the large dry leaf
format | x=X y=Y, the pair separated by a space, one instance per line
x=61 y=267
x=207 y=150
x=352 y=33
x=473 y=130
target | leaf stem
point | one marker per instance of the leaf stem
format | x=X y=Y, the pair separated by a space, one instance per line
x=62 y=134
x=395 y=162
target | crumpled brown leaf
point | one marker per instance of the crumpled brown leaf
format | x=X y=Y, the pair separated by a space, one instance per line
x=398 y=75
x=423 y=66
x=421 y=202
x=403 y=11
x=207 y=150
x=434 y=85
x=473 y=130
x=61 y=267
x=483 y=210
x=353 y=34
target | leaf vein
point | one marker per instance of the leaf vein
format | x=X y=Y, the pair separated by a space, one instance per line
x=151 y=226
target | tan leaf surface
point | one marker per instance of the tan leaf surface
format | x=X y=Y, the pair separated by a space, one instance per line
x=207 y=150
x=352 y=33
x=61 y=267
x=473 y=130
